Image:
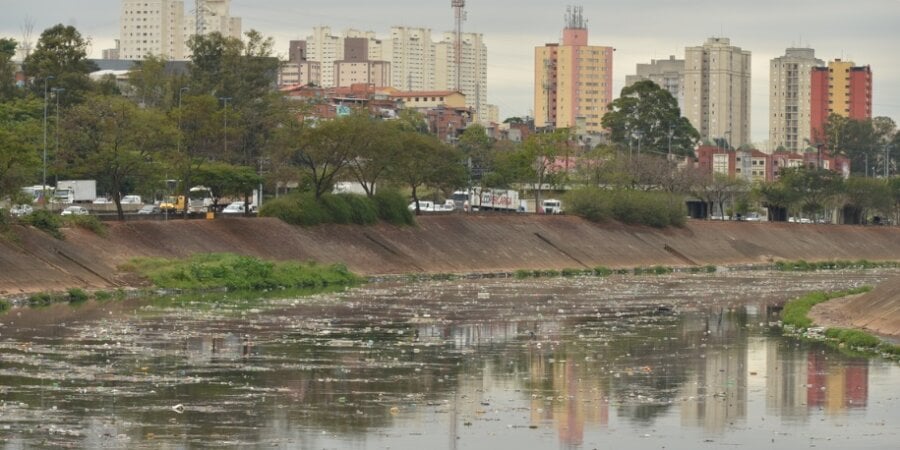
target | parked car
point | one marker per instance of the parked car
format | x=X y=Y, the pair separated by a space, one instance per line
x=21 y=210
x=74 y=211
x=150 y=209
x=131 y=200
x=238 y=208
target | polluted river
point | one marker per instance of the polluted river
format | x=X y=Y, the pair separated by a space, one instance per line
x=678 y=361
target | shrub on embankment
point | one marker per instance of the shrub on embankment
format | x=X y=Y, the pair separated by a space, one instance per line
x=51 y=223
x=239 y=273
x=655 y=209
x=303 y=209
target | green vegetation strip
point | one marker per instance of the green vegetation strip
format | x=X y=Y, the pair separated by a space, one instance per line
x=796 y=316
x=805 y=266
x=239 y=273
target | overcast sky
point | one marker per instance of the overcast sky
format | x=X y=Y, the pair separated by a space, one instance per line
x=864 y=31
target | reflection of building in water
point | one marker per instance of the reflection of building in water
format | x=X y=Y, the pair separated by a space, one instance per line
x=834 y=385
x=468 y=335
x=204 y=350
x=717 y=391
x=785 y=379
x=800 y=379
x=568 y=391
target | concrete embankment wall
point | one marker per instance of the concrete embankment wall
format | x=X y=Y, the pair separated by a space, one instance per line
x=454 y=243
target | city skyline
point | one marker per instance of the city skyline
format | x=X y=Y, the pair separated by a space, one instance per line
x=640 y=31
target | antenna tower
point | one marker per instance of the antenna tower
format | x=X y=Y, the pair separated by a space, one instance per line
x=460 y=13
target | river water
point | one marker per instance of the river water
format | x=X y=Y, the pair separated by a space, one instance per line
x=675 y=361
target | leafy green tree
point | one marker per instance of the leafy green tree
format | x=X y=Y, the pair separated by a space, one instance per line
x=7 y=70
x=113 y=141
x=228 y=67
x=536 y=159
x=476 y=147
x=815 y=188
x=717 y=189
x=226 y=180
x=152 y=86
x=378 y=149
x=61 y=53
x=321 y=152
x=426 y=161
x=863 y=196
x=777 y=199
x=20 y=129
x=647 y=110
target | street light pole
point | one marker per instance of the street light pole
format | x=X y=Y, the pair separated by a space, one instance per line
x=225 y=122
x=44 y=185
x=178 y=143
x=56 y=92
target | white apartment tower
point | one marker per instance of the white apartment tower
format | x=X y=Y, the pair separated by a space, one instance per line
x=326 y=49
x=151 y=27
x=473 y=69
x=412 y=57
x=717 y=91
x=790 y=85
x=163 y=28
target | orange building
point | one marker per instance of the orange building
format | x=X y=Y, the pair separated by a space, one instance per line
x=842 y=89
x=572 y=80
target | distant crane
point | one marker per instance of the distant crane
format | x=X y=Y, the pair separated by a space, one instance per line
x=460 y=13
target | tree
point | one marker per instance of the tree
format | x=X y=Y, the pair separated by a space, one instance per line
x=228 y=67
x=647 y=110
x=321 y=151
x=426 y=161
x=777 y=199
x=113 y=141
x=20 y=125
x=815 y=188
x=7 y=69
x=536 y=159
x=226 y=180
x=152 y=86
x=61 y=53
x=378 y=149
x=865 y=195
x=476 y=147
x=719 y=188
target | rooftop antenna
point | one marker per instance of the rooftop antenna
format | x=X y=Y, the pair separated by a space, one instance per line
x=199 y=17
x=460 y=16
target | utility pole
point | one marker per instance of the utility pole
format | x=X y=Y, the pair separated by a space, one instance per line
x=225 y=122
x=44 y=185
x=56 y=92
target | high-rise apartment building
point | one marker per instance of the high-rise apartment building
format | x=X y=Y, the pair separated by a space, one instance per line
x=162 y=28
x=667 y=73
x=327 y=49
x=358 y=68
x=412 y=57
x=472 y=69
x=573 y=80
x=717 y=91
x=841 y=88
x=151 y=27
x=790 y=78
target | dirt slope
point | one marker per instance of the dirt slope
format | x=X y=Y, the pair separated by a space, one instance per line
x=877 y=311
x=453 y=243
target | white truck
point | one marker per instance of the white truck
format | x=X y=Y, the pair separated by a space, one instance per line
x=494 y=199
x=552 y=206
x=75 y=191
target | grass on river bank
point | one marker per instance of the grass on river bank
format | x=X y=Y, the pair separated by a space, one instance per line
x=239 y=273
x=795 y=316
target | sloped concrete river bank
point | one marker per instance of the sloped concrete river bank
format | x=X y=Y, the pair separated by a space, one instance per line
x=675 y=361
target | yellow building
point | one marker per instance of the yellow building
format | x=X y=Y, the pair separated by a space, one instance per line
x=431 y=99
x=573 y=80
